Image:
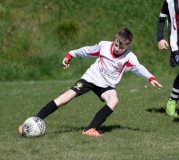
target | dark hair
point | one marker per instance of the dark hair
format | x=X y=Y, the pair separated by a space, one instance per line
x=124 y=37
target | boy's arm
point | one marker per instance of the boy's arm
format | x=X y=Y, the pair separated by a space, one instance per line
x=141 y=71
x=160 y=28
x=88 y=51
x=162 y=43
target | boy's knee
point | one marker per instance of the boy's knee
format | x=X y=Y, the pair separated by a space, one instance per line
x=113 y=103
x=116 y=101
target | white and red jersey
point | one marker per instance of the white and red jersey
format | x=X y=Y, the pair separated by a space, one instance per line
x=109 y=68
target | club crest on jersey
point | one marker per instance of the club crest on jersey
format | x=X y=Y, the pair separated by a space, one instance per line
x=118 y=66
x=78 y=86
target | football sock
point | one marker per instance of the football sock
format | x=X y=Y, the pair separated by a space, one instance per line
x=175 y=90
x=100 y=117
x=48 y=109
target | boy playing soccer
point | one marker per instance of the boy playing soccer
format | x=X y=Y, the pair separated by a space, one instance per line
x=114 y=58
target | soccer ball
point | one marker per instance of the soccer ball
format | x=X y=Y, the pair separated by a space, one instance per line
x=33 y=127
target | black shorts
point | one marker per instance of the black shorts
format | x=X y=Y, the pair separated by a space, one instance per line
x=174 y=58
x=82 y=86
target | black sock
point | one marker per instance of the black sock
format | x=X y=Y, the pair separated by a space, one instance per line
x=48 y=109
x=100 y=117
x=175 y=90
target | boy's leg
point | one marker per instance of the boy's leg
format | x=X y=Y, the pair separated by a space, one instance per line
x=52 y=106
x=171 y=104
x=111 y=99
x=98 y=119
x=79 y=88
x=47 y=110
x=55 y=104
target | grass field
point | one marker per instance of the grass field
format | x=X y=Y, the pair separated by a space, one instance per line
x=138 y=129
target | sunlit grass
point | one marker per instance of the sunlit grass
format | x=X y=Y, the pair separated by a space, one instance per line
x=138 y=129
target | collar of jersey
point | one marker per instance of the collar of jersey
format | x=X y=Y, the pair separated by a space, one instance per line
x=114 y=55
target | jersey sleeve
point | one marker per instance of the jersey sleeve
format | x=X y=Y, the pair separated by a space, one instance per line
x=139 y=69
x=164 y=9
x=87 y=51
x=161 y=21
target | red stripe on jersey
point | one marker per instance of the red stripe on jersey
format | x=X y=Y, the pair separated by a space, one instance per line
x=112 y=50
x=101 y=61
x=95 y=53
x=127 y=64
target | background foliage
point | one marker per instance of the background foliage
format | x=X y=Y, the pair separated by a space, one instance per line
x=36 y=35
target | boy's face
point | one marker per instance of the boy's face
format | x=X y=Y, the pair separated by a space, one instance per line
x=117 y=49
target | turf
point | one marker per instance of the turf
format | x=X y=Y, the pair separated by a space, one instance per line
x=138 y=129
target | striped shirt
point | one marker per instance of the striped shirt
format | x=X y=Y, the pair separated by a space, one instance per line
x=170 y=10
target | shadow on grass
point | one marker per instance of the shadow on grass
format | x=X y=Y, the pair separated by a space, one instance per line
x=162 y=110
x=76 y=129
x=159 y=110
x=176 y=120
x=102 y=129
x=156 y=110
x=114 y=127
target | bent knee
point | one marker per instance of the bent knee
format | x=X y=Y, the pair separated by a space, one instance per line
x=116 y=101
x=113 y=103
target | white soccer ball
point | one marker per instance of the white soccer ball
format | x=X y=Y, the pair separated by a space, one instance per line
x=33 y=127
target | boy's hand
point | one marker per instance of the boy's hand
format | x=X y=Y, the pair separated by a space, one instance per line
x=66 y=63
x=155 y=83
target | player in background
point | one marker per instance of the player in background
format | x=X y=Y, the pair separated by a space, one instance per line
x=102 y=77
x=170 y=11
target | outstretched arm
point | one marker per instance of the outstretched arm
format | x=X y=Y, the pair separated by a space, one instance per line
x=141 y=71
x=86 y=52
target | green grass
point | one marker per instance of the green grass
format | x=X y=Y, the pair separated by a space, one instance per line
x=138 y=129
x=36 y=35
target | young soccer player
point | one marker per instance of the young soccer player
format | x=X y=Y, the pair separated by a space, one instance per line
x=170 y=10
x=102 y=77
